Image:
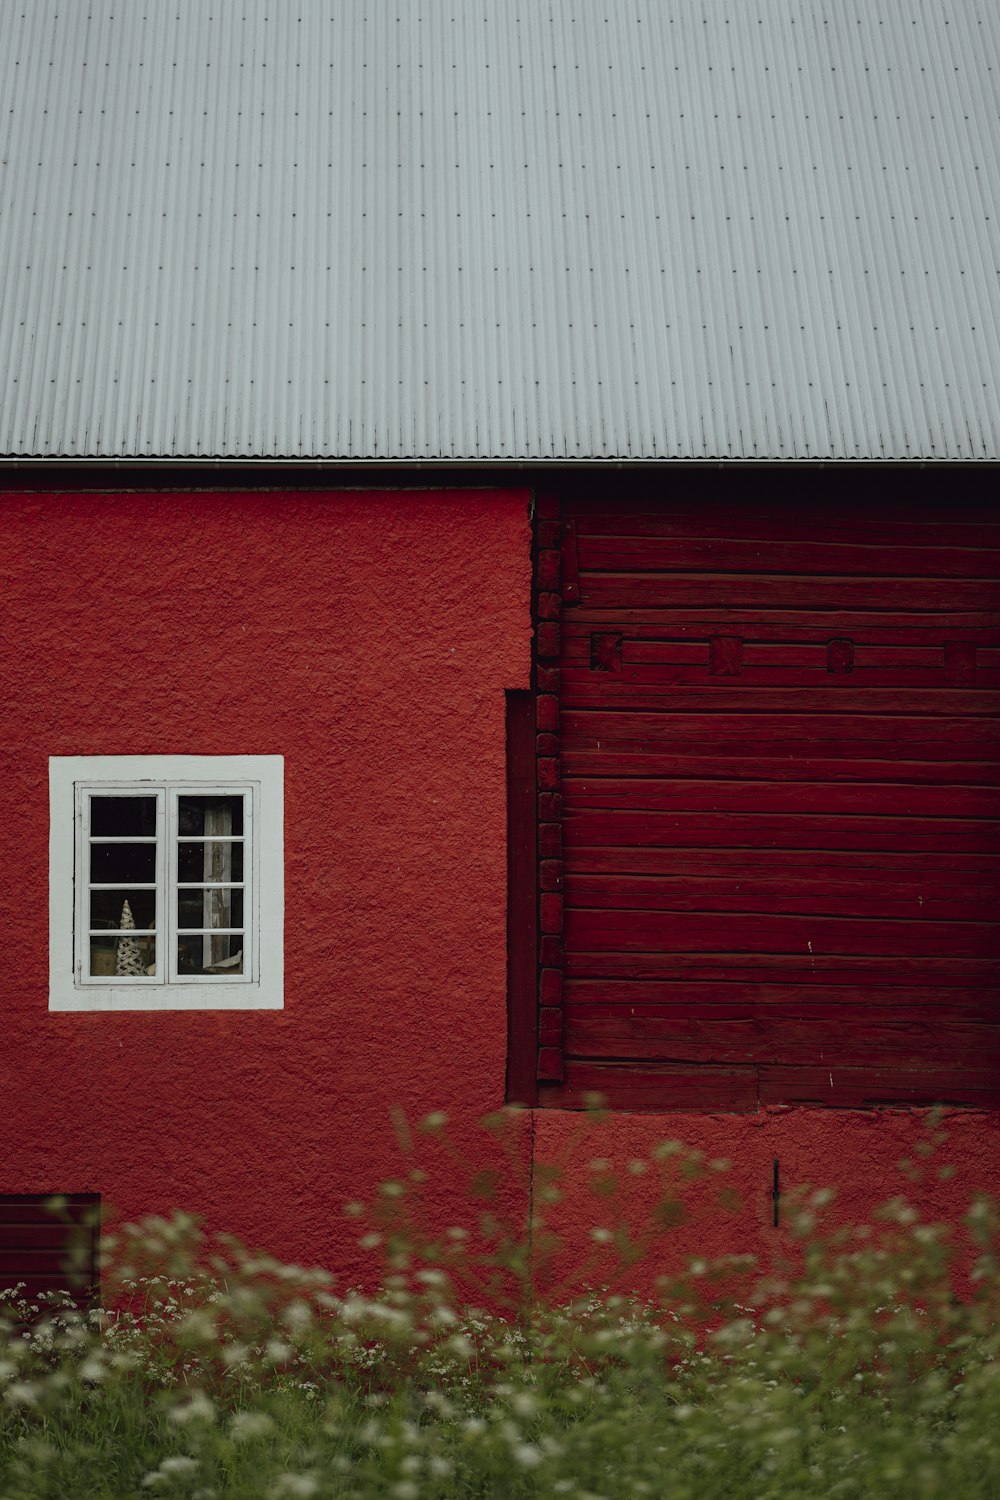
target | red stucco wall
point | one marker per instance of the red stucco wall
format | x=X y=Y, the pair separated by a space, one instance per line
x=937 y=1161
x=368 y=638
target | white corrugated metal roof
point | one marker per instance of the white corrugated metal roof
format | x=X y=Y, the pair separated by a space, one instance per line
x=500 y=229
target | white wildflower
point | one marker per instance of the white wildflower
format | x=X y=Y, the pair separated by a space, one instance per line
x=21 y=1393
x=197 y=1408
x=526 y=1454
x=294 y=1485
x=180 y=1464
x=245 y=1425
x=432 y=1278
x=297 y=1316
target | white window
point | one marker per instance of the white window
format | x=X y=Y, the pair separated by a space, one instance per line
x=166 y=882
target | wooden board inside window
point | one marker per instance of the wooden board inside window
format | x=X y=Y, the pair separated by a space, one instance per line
x=779 y=772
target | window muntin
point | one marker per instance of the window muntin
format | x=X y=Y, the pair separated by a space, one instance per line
x=156 y=891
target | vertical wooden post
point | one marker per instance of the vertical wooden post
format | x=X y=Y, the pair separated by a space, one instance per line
x=549 y=583
x=522 y=901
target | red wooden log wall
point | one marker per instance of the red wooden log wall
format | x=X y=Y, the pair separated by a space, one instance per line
x=775 y=880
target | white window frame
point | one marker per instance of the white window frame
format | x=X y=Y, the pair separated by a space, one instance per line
x=261 y=779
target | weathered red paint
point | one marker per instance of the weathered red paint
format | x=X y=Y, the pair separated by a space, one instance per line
x=779 y=801
x=368 y=637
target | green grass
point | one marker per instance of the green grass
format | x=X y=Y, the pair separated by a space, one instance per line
x=870 y=1368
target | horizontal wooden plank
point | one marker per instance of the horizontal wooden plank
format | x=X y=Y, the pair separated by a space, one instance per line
x=667 y=677
x=630 y=1086
x=648 y=1088
x=860 y=1038
x=37 y=1236
x=696 y=932
x=35 y=1209
x=839 y=693
x=922 y=900
x=759 y=830
x=850 y=735
x=815 y=524
x=757 y=654
x=861 y=1088
x=834 y=865
x=710 y=590
x=669 y=674
x=636 y=758
x=785 y=968
x=600 y=552
x=593 y=997
x=53 y=1263
x=663 y=664
x=745 y=794
x=807 y=623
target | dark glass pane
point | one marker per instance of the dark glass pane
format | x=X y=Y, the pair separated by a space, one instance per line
x=123 y=817
x=209 y=861
x=210 y=955
x=107 y=909
x=208 y=817
x=122 y=864
x=209 y=908
x=122 y=957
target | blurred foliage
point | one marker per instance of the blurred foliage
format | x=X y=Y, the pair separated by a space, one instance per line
x=867 y=1367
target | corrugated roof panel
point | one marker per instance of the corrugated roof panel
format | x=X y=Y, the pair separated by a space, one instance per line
x=408 y=229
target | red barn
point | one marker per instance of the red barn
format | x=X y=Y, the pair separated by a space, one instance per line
x=496 y=605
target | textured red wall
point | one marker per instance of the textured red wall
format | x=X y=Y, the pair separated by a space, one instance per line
x=866 y=1156
x=368 y=638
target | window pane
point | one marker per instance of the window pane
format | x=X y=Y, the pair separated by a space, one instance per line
x=122 y=909
x=211 y=955
x=208 y=817
x=122 y=957
x=196 y=862
x=122 y=864
x=123 y=817
x=209 y=908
